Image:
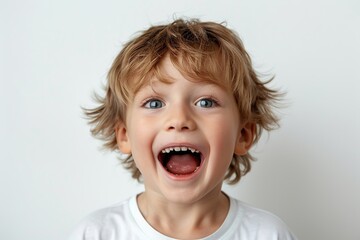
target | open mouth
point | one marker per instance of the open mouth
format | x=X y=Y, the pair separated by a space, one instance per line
x=180 y=160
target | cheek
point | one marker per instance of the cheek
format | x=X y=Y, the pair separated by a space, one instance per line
x=139 y=129
x=226 y=132
x=141 y=136
x=223 y=139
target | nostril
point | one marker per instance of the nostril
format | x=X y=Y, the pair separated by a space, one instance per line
x=179 y=128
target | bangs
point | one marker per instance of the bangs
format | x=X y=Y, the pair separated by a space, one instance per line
x=194 y=65
x=201 y=67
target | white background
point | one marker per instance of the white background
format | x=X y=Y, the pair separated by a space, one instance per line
x=54 y=54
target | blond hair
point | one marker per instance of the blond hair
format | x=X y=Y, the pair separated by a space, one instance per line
x=206 y=51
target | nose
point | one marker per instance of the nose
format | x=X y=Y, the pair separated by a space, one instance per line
x=180 y=118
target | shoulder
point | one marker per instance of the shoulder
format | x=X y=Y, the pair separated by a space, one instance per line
x=104 y=223
x=261 y=223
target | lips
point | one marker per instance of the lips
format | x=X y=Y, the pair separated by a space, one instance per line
x=180 y=160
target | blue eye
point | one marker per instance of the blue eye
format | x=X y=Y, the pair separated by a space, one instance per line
x=206 y=103
x=153 y=104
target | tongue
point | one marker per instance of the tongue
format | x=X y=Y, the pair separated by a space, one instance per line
x=182 y=164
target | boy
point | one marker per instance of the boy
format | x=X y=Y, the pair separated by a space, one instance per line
x=184 y=103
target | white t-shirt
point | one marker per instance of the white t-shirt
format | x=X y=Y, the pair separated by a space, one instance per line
x=125 y=221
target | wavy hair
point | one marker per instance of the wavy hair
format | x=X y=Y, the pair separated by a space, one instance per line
x=206 y=51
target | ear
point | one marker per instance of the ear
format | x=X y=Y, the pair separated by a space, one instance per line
x=245 y=139
x=122 y=138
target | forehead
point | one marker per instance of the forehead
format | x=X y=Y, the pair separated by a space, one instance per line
x=169 y=69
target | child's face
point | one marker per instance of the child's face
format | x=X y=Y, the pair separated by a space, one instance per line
x=186 y=116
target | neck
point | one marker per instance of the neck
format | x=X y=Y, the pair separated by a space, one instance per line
x=184 y=220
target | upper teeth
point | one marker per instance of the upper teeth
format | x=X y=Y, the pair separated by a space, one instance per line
x=178 y=149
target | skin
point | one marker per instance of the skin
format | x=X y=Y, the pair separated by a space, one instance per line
x=183 y=113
